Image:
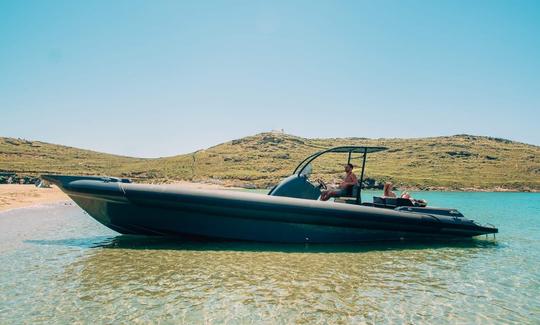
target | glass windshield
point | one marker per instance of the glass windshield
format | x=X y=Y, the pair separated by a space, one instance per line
x=329 y=167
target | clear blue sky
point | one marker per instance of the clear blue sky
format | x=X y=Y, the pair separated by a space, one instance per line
x=158 y=78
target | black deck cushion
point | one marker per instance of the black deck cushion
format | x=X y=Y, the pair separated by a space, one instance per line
x=391 y=202
x=401 y=202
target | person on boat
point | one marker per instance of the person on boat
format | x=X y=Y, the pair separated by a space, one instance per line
x=345 y=187
x=388 y=186
x=419 y=203
x=406 y=195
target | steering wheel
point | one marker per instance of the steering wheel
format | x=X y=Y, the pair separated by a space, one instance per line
x=322 y=184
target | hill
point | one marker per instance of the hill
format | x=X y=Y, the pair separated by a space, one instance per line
x=453 y=162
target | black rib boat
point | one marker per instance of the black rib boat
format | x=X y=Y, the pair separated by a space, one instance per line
x=290 y=213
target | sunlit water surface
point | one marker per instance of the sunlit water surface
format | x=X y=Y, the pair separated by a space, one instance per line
x=57 y=265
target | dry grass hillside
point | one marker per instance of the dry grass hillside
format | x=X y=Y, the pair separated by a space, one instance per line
x=454 y=162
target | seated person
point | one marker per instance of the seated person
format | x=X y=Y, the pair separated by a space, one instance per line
x=418 y=203
x=388 y=186
x=345 y=187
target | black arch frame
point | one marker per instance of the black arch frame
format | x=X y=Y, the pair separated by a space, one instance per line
x=343 y=149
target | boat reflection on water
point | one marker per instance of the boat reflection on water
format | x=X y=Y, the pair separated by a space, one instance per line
x=240 y=282
x=174 y=243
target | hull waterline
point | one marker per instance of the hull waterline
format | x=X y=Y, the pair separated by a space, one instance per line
x=229 y=215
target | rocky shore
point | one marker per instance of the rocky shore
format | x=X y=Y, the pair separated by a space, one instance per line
x=12 y=178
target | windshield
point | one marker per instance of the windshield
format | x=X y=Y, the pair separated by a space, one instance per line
x=306 y=172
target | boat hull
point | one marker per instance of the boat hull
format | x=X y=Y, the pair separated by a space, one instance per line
x=231 y=215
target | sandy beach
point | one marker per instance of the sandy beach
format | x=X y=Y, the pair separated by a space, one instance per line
x=14 y=196
x=18 y=196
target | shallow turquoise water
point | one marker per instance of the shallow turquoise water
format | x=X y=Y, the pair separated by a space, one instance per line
x=57 y=265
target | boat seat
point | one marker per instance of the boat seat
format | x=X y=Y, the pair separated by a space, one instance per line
x=354 y=190
x=401 y=202
x=379 y=202
x=391 y=202
x=350 y=198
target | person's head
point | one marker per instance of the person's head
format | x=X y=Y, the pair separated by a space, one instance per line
x=349 y=167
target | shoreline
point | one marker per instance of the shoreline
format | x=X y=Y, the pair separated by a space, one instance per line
x=14 y=196
x=464 y=190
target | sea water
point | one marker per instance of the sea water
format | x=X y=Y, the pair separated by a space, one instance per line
x=57 y=265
